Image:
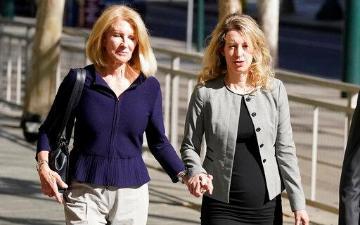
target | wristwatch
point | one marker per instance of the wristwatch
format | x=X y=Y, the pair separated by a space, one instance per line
x=181 y=176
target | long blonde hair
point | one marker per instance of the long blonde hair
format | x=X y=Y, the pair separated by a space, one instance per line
x=214 y=64
x=143 y=58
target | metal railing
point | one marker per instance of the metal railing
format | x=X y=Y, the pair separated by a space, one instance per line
x=177 y=74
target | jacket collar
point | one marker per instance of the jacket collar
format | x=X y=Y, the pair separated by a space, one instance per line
x=255 y=91
x=99 y=81
x=221 y=79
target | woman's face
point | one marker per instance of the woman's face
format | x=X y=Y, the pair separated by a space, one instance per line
x=119 y=42
x=238 y=52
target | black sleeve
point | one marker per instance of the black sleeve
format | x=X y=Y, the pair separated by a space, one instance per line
x=52 y=123
x=349 y=191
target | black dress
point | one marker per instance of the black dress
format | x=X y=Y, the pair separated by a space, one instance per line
x=249 y=202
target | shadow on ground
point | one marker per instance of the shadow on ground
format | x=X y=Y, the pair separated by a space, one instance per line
x=21 y=188
x=27 y=221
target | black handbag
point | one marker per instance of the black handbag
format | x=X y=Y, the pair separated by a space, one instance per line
x=59 y=154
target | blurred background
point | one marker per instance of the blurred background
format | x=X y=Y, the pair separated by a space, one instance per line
x=315 y=45
x=319 y=43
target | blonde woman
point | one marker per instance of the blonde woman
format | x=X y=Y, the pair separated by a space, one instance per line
x=120 y=101
x=244 y=114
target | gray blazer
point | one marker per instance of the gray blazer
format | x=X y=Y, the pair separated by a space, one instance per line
x=214 y=111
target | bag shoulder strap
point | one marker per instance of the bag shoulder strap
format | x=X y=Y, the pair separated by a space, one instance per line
x=73 y=101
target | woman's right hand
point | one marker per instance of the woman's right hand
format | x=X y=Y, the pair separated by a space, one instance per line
x=199 y=184
x=49 y=182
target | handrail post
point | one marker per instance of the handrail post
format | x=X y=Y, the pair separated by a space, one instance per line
x=58 y=75
x=189 y=25
x=87 y=60
x=167 y=103
x=174 y=111
x=346 y=128
x=351 y=104
x=18 y=74
x=1 y=47
x=175 y=65
x=8 y=77
x=190 y=87
x=27 y=46
x=8 y=72
x=314 y=152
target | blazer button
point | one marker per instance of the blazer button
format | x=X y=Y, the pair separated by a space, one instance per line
x=262 y=145
x=258 y=129
x=253 y=114
x=264 y=160
x=247 y=99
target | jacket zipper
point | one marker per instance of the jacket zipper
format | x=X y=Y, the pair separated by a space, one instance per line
x=112 y=137
x=114 y=122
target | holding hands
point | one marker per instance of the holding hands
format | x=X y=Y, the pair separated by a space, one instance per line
x=301 y=217
x=199 y=184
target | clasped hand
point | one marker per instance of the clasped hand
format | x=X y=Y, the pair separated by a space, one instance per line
x=199 y=184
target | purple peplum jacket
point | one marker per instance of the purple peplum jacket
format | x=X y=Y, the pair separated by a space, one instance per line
x=108 y=133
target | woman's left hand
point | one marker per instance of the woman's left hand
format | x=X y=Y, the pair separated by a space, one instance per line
x=301 y=217
x=199 y=184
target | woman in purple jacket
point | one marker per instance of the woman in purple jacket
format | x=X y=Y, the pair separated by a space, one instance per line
x=120 y=101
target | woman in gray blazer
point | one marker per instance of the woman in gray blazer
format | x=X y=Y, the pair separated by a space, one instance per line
x=244 y=114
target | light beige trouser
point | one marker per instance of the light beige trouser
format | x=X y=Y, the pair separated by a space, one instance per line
x=95 y=205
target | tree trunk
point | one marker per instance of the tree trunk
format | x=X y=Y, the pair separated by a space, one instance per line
x=41 y=82
x=269 y=22
x=229 y=6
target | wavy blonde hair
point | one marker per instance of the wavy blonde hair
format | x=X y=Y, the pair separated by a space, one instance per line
x=143 y=58
x=214 y=64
